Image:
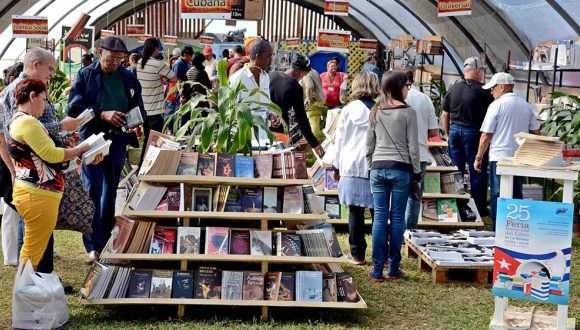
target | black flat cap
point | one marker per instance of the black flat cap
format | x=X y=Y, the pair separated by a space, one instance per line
x=113 y=44
x=301 y=63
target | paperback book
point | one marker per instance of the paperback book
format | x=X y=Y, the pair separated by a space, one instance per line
x=225 y=165
x=232 y=285
x=287 y=287
x=329 y=288
x=163 y=240
x=447 y=210
x=217 y=241
x=253 y=286
x=201 y=199
x=270 y=200
x=261 y=242
x=432 y=183
x=188 y=240
x=161 y=284
x=187 y=163
x=182 y=285
x=332 y=207
x=293 y=200
x=347 y=291
x=140 y=284
x=288 y=244
x=251 y=199
x=240 y=241
x=272 y=285
x=263 y=166
x=208 y=283
x=206 y=165
x=308 y=286
x=233 y=202
x=244 y=166
x=329 y=182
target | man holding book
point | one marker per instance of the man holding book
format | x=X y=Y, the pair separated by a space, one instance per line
x=113 y=93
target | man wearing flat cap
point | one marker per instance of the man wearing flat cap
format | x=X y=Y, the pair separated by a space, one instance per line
x=111 y=91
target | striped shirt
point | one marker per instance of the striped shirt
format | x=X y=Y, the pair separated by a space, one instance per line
x=150 y=79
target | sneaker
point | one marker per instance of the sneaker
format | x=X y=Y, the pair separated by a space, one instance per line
x=92 y=257
x=375 y=279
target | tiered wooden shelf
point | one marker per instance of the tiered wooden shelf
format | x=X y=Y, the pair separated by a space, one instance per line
x=223 y=258
x=225 y=215
x=327 y=193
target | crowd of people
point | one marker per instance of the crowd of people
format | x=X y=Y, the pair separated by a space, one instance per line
x=384 y=109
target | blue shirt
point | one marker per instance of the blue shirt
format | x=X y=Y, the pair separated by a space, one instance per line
x=180 y=67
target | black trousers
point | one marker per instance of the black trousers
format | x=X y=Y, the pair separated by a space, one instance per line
x=356 y=231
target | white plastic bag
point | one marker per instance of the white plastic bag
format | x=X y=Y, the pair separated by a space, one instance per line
x=38 y=301
x=10 y=220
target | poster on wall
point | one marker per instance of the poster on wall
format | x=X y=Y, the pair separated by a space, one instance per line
x=29 y=27
x=453 y=8
x=336 y=7
x=533 y=250
x=82 y=44
x=210 y=9
x=368 y=45
x=135 y=30
x=333 y=40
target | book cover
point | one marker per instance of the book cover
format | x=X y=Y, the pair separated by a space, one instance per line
x=272 y=285
x=225 y=165
x=253 y=286
x=122 y=234
x=278 y=170
x=432 y=183
x=140 y=284
x=313 y=204
x=92 y=279
x=251 y=199
x=329 y=288
x=188 y=240
x=233 y=202
x=201 y=199
x=173 y=197
x=158 y=161
x=452 y=183
x=329 y=182
x=318 y=177
x=133 y=118
x=447 y=210
x=244 y=166
x=217 y=240
x=261 y=242
x=270 y=200
x=288 y=244
x=429 y=209
x=206 y=164
x=240 y=241
x=232 y=285
x=308 y=285
x=263 y=166
x=146 y=197
x=300 y=170
x=293 y=200
x=208 y=283
x=346 y=288
x=182 y=285
x=332 y=207
x=163 y=240
x=161 y=284
x=187 y=163
x=287 y=285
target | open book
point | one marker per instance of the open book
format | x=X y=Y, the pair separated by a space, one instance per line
x=98 y=146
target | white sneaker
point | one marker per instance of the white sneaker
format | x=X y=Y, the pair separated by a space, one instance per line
x=92 y=257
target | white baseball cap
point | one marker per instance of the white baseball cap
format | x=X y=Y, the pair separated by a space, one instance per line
x=500 y=78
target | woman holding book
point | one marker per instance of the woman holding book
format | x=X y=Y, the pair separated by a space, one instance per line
x=39 y=182
x=393 y=157
x=350 y=164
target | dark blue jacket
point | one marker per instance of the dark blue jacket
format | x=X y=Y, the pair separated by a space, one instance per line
x=86 y=93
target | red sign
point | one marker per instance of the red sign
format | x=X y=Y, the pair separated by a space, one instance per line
x=206 y=40
x=170 y=40
x=107 y=33
x=336 y=7
x=293 y=42
x=453 y=8
x=333 y=40
x=29 y=27
x=212 y=9
x=135 y=30
x=370 y=45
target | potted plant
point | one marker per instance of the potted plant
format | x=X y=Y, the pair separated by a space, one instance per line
x=563 y=121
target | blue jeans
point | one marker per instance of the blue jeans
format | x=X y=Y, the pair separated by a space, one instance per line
x=101 y=182
x=391 y=189
x=494 y=186
x=463 y=145
x=413 y=206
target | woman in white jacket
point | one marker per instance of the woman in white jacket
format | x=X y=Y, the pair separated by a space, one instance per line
x=350 y=163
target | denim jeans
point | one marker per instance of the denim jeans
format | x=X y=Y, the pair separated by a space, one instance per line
x=494 y=186
x=391 y=189
x=356 y=232
x=413 y=206
x=101 y=182
x=463 y=145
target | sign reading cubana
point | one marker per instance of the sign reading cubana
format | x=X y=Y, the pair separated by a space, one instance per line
x=29 y=27
x=453 y=8
x=210 y=9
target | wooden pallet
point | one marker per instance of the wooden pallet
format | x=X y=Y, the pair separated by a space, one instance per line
x=480 y=274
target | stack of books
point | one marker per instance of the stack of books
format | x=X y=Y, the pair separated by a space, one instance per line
x=538 y=150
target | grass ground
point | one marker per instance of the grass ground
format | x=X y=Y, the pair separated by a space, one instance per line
x=413 y=303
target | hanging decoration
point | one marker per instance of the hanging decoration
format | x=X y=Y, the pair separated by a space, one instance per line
x=368 y=45
x=206 y=9
x=336 y=7
x=333 y=40
x=29 y=27
x=454 y=8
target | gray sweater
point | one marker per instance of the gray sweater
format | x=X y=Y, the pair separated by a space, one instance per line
x=402 y=145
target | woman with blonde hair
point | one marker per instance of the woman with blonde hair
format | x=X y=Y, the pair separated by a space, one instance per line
x=350 y=163
x=314 y=102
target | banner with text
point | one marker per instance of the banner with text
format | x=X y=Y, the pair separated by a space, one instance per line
x=368 y=45
x=333 y=40
x=293 y=42
x=453 y=8
x=170 y=40
x=336 y=7
x=533 y=250
x=107 y=33
x=29 y=27
x=210 y=9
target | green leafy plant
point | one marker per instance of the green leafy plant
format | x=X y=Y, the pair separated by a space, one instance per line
x=228 y=123
x=57 y=93
x=563 y=118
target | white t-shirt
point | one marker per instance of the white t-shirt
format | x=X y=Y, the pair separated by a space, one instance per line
x=506 y=116
x=152 y=88
x=426 y=119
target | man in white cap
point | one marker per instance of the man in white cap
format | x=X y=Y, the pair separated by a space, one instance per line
x=509 y=114
x=464 y=108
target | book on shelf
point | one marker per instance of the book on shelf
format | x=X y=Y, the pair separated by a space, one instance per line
x=287 y=287
x=270 y=200
x=122 y=234
x=329 y=182
x=278 y=170
x=140 y=284
x=346 y=288
x=263 y=166
x=538 y=150
x=146 y=197
x=318 y=176
x=120 y=283
x=208 y=283
x=182 y=285
x=314 y=243
x=161 y=284
x=313 y=204
x=447 y=210
x=160 y=140
x=240 y=241
x=98 y=146
x=331 y=240
x=440 y=157
x=253 y=288
x=452 y=183
x=244 y=166
x=272 y=282
x=468 y=210
x=233 y=201
x=232 y=285
x=432 y=183
x=159 y=161
x=206 y=164
x=201 y=199
x=251 y=199
x=329 y=288
x=293 y=200
x=308 y=285
x=174 y=196
x=220 y=197
x=260 y=242
x=429 y=209
x=188 y=240
x=225 y=165
x=188 y=163
x=288 y=244
x=163 y=241
x=101 y=285
x=332 y=207
x=142 y=237
x=217 y=240
x=91 y=279
x=299 y=162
